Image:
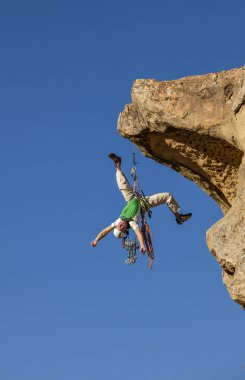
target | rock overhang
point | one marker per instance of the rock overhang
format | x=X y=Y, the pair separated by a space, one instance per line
x=195 y=125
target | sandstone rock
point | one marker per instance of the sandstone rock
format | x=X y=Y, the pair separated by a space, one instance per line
x=195 y=125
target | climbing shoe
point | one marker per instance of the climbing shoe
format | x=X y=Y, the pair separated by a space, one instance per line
x=116 y=159
x=183 y=218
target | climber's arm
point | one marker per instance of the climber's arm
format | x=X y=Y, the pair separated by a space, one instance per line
x=101 y=235
x=141 y=240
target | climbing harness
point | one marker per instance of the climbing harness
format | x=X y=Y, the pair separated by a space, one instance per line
x=131 y=245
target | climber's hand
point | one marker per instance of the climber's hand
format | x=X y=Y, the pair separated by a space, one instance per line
x=93 y=243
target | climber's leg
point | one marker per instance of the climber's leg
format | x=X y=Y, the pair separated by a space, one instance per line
x=124 y=185
x=161 y=198
x=122 y=181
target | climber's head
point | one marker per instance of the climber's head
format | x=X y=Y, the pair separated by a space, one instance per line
x=120 y=230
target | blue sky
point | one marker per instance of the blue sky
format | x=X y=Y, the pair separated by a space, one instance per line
x=69 y=311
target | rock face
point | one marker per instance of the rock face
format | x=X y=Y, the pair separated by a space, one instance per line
x=196 y=126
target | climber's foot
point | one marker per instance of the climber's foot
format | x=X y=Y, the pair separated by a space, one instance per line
x=183 y=218
x=116 y=159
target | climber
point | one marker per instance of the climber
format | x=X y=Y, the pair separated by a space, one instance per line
x=129 y=216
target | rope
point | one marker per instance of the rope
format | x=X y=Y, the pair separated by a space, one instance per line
x=147 y=236
x=145 y=208
x=130 y=245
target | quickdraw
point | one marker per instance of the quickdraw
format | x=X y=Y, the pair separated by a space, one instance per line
x=131 y=247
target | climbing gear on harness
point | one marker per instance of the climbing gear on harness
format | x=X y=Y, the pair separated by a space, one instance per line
x=131 y=247
x=145 y=205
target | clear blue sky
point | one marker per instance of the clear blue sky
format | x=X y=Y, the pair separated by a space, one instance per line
x=69 y=311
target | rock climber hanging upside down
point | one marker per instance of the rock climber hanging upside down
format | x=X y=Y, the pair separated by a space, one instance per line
x=129 y=217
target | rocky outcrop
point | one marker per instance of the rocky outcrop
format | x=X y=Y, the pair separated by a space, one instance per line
x=196 y=126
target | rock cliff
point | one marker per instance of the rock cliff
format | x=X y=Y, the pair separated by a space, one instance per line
x=196 y=126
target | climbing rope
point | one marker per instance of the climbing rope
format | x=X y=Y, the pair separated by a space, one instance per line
x=147 y=236
x=131 y=245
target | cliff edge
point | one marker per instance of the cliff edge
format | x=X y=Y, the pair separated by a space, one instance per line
x=196 y=126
